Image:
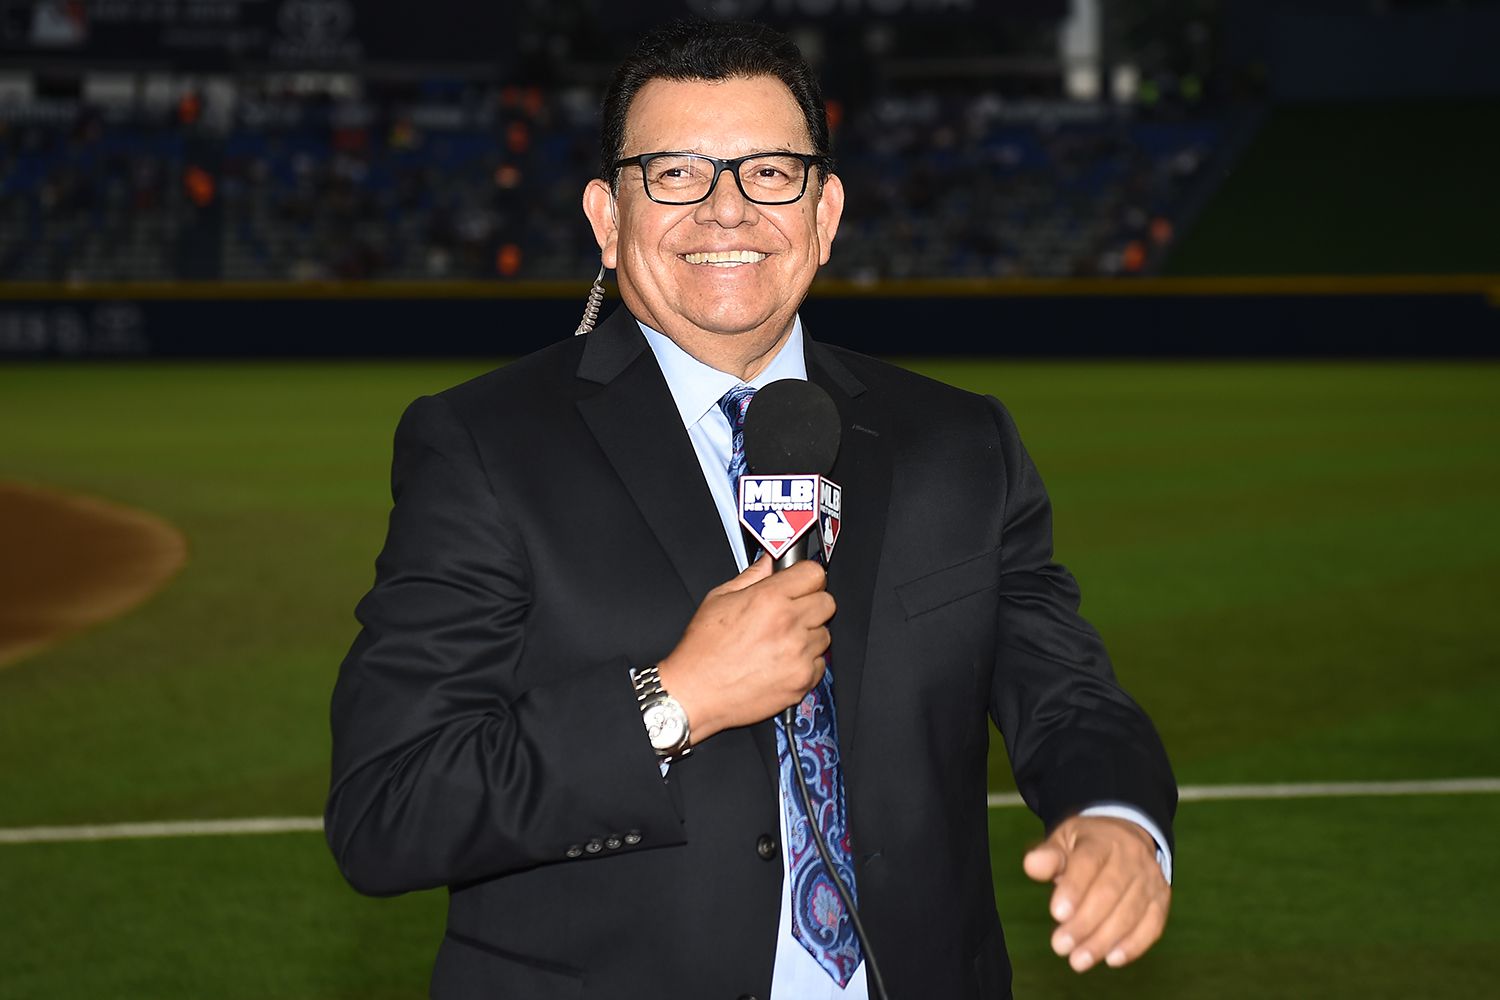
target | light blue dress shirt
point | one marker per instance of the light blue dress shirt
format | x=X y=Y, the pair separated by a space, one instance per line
x=696 y=389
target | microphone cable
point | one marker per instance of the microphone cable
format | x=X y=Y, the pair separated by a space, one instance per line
x=872 y=970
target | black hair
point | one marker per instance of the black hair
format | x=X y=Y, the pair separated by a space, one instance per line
x=691 y=49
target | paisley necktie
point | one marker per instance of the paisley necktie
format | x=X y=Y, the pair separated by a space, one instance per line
x=819 y=920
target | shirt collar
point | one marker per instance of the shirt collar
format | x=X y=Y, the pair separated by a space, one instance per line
x=697 y=388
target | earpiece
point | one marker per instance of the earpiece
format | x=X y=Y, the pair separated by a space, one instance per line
x=596 y=299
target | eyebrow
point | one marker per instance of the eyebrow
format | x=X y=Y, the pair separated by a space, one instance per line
x=699 y=150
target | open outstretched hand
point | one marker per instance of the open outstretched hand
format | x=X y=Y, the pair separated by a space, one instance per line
x=1110 y=898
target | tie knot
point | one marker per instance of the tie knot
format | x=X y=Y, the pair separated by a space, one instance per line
x=734 y=403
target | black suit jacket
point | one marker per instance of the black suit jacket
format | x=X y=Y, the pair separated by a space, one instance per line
x=551 y=529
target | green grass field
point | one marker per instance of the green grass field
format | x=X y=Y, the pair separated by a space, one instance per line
x=1296 y=565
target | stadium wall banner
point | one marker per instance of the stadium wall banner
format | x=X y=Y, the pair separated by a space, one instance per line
x=1167 y=317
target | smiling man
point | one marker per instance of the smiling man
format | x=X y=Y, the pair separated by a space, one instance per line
x=561 y=703
x=718 y=273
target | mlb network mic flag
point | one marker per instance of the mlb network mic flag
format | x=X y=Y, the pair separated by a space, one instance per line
x=779 y=510
x=830 y=514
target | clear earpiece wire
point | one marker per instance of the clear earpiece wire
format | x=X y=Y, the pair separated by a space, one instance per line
x=591 y=308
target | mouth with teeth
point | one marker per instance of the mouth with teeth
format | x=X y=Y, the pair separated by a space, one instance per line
x=725 y=258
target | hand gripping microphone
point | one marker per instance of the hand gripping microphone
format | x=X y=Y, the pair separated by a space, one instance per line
x=792 y=434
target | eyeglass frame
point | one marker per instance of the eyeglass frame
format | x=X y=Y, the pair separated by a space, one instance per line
x=809 y=160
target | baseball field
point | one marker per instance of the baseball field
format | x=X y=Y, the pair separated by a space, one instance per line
x=1296 y=567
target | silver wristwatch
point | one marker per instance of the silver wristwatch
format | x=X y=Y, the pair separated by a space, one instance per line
x=666 y=721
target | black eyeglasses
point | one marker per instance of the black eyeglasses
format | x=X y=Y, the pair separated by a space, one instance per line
x=688 y=178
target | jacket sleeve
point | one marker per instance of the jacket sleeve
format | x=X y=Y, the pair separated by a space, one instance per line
x=1075 y=738
x=444 y=768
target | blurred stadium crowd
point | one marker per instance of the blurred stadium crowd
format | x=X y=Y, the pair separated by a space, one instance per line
x=466 y=181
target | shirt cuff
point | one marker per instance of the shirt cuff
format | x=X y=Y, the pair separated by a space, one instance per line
x=1140 y=819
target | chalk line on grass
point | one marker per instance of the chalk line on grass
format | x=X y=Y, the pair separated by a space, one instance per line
x=314 y=824
x=157 y=831
x=1311 y=790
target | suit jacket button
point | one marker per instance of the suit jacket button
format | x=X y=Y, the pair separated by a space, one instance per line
x=747 y=996
x=574 y=850
x=594 y=846
x=765 y=846
x=613 y=842
x=632 y=838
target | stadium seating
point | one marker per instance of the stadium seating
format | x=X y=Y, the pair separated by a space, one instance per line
x=486 y=187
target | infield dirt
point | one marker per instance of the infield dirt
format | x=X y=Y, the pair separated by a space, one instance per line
x=69 y=562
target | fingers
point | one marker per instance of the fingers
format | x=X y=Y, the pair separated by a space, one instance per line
x=1131 y=923
x=755 y=645
x=1045 y=862
x=821 y=640
x=797 y=580
x=802 y=584
x=1110 y=908
x=814 y=610
x=749 y=576
x=1147 y=930
x=801 y=579
x=1110 y=900
x=1078 y=864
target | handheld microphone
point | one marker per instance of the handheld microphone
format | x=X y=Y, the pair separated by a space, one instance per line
x=792 y=434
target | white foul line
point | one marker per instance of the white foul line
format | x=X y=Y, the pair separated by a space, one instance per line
x=1309 y=790
x=156 y=831
x=314 y=824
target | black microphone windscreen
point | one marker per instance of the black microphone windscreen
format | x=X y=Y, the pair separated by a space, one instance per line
x=792 y=427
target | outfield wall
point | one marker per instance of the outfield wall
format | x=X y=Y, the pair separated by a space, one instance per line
x=1413 y=316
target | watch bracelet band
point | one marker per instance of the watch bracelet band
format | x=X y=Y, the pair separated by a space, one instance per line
x=647 y=682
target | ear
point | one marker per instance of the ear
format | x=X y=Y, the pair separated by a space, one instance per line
x=599 y=206
x=830 y=210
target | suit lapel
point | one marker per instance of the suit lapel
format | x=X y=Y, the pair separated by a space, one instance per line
x=638 y=427
x=863 y=470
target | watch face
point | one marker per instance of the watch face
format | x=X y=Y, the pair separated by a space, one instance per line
x=666 y=723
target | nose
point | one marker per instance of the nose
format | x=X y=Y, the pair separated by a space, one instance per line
x=724 y=204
